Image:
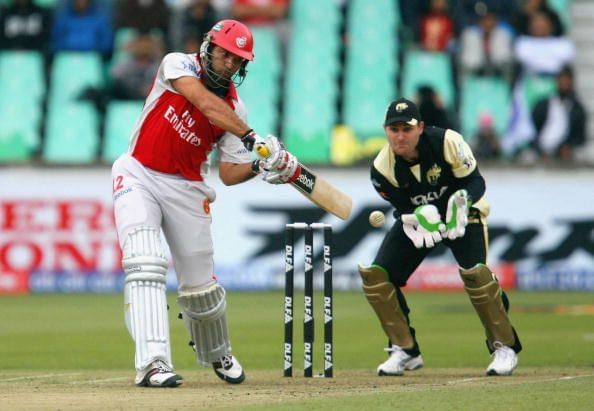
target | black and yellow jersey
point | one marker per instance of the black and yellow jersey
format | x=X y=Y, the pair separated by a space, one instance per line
x=445 y=165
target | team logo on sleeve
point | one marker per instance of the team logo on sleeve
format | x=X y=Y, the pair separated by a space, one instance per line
x=464 y=156
x=433 y=174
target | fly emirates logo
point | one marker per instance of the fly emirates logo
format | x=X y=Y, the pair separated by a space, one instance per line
x=182 y=125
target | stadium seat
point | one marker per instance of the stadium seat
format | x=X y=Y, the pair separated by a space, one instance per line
x=311 y=87
x=120 y=119
x=369 y=86
x=19 y=131
x=261 y=89
x=537 y=87
x=47 y=3
x=72 y=73
x=483 y=95
x=19 y=71
x=428 y=68
x=121 y=38
x=562 y=7
x=72 y=134
x=20 y=112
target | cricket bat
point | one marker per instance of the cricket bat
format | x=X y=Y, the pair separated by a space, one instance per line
x=317 y=190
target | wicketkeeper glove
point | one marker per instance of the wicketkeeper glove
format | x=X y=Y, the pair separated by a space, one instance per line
x=457 y=215
x=424 y=227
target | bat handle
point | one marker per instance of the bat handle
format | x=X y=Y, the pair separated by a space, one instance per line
x=262 y=150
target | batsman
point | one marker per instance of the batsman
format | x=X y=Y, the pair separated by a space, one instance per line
x=431 y=178
x=159 y=185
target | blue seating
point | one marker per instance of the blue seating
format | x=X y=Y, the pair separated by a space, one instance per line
x=22 y=71
x=72 y=73
x=72 y=134
x=484 y=95
x=261 y=89
x=371 y=65
x=311 y=87
x=19 y=131
x=428 y=68
x=536 y=87
x=22 y=86
x=120 y=119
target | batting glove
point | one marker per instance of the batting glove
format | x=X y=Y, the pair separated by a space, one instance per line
x=457 y=215
x=287 y=170
x=424 y=227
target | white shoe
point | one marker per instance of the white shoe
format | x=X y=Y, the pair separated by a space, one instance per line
x=414 y=363
x=229 y=369
x=158 y=374
x=398 y=362
x=505 y=361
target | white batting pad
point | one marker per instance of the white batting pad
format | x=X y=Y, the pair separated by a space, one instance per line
x=145 y=267
x=205 y=317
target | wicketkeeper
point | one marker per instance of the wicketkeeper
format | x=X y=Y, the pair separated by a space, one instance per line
x=431 y=178
x=159 y=184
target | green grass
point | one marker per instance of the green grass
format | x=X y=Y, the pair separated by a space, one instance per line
x=88 y=332
x=76 y=346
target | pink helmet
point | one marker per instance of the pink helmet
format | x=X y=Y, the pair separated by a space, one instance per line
x=235 y=38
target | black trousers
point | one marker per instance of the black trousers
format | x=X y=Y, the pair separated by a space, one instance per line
x=398 y=255
x=400 y=258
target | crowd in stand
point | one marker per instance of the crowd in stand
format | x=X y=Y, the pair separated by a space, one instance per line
x=508 y=39
x=514 y=40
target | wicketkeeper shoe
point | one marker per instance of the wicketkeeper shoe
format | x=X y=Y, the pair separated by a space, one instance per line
x=159 y=375
x=505 y=360
x=398 y=362
x=229 y=369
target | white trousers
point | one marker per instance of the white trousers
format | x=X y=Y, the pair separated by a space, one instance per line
x=180 y=207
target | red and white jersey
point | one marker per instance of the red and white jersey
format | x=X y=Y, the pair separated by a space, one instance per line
x=172 y=136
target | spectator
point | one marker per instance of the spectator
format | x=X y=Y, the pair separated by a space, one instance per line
x=194 y=21
x=24 y=26
x=432 y=108
x=133 y=78
x=468 y=12
x=486 y=143
x=265 y=13
x=143 y=15
x=540 y=52
x=560 y=120
x=260 y=12
x=191 y=44
x=82 y=25
x=530 y=8
x=437 y=27
x=486 y=48
x=410 y=13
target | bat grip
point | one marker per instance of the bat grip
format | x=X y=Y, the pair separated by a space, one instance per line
x=262 y=150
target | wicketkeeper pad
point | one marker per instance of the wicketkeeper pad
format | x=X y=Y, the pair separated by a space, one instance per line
x=145 y=267
x=381 y=294
x=204 y=313
x=485 y=295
